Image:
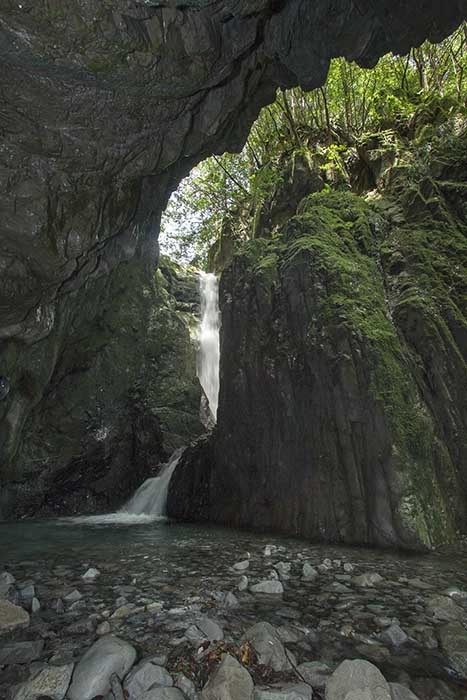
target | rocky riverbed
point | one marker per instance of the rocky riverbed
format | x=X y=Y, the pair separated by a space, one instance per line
x=159 y=612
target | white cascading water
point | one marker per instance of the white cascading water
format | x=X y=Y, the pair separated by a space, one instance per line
x=208 y=356
x=147 y=504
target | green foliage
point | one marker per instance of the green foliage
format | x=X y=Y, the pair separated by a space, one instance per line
x=404 y=97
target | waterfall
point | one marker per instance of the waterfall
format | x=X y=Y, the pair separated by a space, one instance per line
x=208 y=356
x=148 y=503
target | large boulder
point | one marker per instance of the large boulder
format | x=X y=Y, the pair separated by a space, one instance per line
x=92 y=673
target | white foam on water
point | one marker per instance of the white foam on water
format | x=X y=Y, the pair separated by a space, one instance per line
x=147 y=505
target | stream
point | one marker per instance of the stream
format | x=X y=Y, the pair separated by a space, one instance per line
x=156 y=579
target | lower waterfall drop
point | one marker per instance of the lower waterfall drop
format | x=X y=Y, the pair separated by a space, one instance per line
x=147 y=504
x=208 y=356
x=151 y=497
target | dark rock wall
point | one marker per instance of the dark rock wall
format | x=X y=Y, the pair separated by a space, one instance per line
x=104 y=107
x=343 y=413
x=121 y=393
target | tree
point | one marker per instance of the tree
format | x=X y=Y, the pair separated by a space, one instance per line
x=404 y=94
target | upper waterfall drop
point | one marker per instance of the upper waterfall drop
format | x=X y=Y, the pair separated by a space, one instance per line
x=208 y=356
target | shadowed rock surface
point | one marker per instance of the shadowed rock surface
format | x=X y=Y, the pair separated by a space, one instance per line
x=122 y=393
x=104 y=109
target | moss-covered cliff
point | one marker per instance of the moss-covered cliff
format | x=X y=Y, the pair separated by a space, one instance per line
x=343 y=412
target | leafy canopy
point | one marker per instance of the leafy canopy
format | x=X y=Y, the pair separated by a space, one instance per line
x=406 y=94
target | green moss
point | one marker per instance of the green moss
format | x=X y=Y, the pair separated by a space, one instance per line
x=371 y=277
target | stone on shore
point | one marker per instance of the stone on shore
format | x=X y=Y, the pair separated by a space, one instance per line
x=12 y=617
x=315 y=674
x=358 y=679
x=20 y=652
x=230 y=681
x=51 y=682
x=266 y=642
x=241 y=566
x=368 y=580
x=92 y=674
x=186 y=686
x=292 y=691
x=401 y=692
x=243 y=583
x=309 y=573
x=454 y=643
x=444 y=609
x=91 y=575
x=269 y=587
x=162 y=694
x=394 y=635
x=143 y=677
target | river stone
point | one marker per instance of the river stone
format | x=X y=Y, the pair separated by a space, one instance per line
x=230 y=600
x=20 y=652
x=296 y=691
x=367 y=580
x=241 y=566
x=103 y=628
x=12 y=617
x=144 y=677
x=315 y=673
x=455 y=593
x=357 y=680
x=230 y=681
x=92 y=674
x=186 y=686
x=6 y=578
x=283 y=568
x=270 y=587
x=289 y=634
x=243 y=583
x=6 y=584
x=444 y=609
x=269 y=550
x=266 y=642
x=394 y=635
x=27 y=592
x=51 y=681
x=210 y=629
x=73 y=597
x=309 y=573
x=454 y=643
x=91 y=575
x=401 y=692
x=162 y=694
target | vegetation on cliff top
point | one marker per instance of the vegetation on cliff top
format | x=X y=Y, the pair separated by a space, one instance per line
x=346 y=134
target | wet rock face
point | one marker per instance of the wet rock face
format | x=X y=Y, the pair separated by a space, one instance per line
x=121 y=394
x=104 y=110
x=336 y=412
